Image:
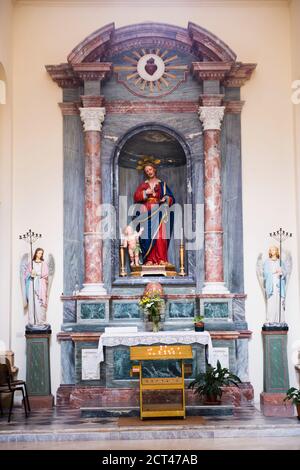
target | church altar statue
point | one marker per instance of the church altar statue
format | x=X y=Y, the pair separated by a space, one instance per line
x=273 y=276
x=155 y=222
x=36 y=277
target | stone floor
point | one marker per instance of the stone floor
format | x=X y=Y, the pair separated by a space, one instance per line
x=64 y=428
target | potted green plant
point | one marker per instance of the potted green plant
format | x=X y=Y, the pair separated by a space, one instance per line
x=208 y=385
x=199 y=323
x=293 y=394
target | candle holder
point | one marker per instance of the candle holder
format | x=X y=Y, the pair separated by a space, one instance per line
x=123 y=272
x=181 y=259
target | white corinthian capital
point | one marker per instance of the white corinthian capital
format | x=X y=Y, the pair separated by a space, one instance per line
x=211 y=117
x=92 y=118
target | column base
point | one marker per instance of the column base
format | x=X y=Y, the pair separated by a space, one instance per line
x=93 y=289
x=215 y=288
x=272 y=404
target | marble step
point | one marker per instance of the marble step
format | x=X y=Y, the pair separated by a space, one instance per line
x=117 y=411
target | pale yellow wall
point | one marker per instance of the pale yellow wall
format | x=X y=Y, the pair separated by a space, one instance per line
x=258 y=33
x=295 y=47
x=5 y=170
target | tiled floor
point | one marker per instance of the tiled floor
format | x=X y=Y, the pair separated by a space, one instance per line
x=63 y=428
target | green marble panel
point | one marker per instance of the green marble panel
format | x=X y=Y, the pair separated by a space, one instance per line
x=38 y=366
x=92 y=311
x=181 y=309
x=276 y=376
x=122 y=364
x=216 y=310
x=126 y=310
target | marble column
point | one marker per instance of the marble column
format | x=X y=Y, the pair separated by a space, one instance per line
x=211 y=118
x=92 y=119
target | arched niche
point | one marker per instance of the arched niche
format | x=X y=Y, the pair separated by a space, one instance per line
x=171 y=152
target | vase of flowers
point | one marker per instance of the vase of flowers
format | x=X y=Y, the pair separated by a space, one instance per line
x=153 y=307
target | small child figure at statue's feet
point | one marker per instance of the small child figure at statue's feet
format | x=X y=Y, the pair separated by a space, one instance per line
x=131 y=241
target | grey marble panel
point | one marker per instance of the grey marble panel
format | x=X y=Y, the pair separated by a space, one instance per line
x=242 y=359
x=67 y=362
x=69 y=314
x=122 y=363
x=238 y=309
x=72 y=94
x=211 y=87
x=181 y=309
x=232 y=202
x=92 y=87
x=73 y=203
x=128 y=310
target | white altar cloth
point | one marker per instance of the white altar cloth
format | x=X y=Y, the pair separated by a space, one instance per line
x=146 y=338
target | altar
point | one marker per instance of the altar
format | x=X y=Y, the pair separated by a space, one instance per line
x=152 y=194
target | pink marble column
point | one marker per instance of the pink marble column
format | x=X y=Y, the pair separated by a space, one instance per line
x=211 y=117
x=93 y=279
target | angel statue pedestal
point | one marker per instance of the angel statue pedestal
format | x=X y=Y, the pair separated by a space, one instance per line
x=38 y=368
x=273 y=275
x=276 y=373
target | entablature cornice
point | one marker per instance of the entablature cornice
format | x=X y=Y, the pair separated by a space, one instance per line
x=230 y=74
x=92 y=71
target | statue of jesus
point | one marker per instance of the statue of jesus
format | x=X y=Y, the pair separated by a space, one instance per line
x=156 y=198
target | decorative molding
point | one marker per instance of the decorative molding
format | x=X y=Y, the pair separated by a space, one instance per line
x=92 y=101
x=211 y=70
x=108 y=41
x=224 y=335
x=69 y=108
x=233 y=107
x=92 y=71
x=211 y=100
x=92 y=118
x=63 y=75
x=142 y=107
x=211 y=117
x=209 y=45
x=240 y=73
x=85 y=336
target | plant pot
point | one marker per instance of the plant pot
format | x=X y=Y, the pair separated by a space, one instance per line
x=211 y=400
x=199 y=326
x=298 y=410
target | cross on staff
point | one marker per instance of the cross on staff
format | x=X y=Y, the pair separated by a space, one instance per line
x=31 y=237
x=280 y=236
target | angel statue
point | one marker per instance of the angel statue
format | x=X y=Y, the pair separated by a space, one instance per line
x=273 y=276
x=36 y=279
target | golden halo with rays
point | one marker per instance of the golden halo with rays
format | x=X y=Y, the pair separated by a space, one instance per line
x=150 y=68
x=145 y=160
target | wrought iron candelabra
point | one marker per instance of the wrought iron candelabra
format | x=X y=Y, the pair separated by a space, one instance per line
x=280 y=236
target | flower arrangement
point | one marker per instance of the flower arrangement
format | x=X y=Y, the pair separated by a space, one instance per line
x=152 y=305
